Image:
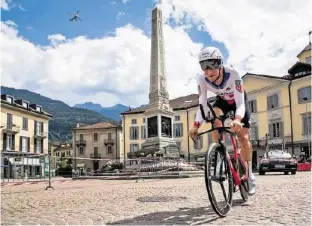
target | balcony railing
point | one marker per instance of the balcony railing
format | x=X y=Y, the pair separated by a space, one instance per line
x=40 y=134
x=108 y=141
x=80 y=143
x=10 y=128
x=95 y=156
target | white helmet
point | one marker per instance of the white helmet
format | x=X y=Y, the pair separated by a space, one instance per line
x=210 y=53
x=210 y=57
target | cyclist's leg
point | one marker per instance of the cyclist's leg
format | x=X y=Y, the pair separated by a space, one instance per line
x=246 y=149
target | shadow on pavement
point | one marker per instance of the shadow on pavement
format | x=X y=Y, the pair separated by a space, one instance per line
x=183 y=216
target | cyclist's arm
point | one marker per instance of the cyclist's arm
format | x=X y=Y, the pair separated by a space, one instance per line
x=239 y=96
x=202 y=92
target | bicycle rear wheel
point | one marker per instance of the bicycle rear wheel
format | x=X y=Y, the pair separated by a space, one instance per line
x=221 y=175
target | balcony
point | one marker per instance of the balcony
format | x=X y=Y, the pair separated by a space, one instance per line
x=95 y=156
x=80 y=143
x=10 y=128
x=39 y=134
x=109 y=141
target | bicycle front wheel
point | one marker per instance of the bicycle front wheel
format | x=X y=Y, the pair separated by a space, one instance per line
x=217 y=171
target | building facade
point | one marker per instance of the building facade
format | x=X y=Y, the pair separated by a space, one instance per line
x=24 y=132
x=279 y=115
x=95 y=145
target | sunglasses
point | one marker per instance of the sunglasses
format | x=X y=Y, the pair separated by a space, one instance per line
x=210 y=64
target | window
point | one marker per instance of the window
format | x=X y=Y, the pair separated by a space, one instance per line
x=272 y=101
x=38 y=128
x=134 y=147
x=25 y=105
x=109 y=136
x=306 y=124
x=9 y=142
x=177 y=118
x=143 y=132
x=252 y=106
x=95 y=150
x=81 y=149
x=134 y=133
x=9 y=121
x=25 y=124
x=38 y=108
x=95 y=136
x=80 y=136
x=253 y=133
x=109 y=150
x=276 y=130
x=178 y=130
x=38 y=147
x=10 y=100
x=134 y=121
x=143 y=120
x=199 y=143
x=24 y=144
x=304 y=92
x=308 y=60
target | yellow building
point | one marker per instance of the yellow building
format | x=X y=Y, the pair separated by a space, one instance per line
x=95 y=145
x=275 y=102
x=24 y=132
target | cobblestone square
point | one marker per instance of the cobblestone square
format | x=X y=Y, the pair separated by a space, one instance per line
x=280 y=199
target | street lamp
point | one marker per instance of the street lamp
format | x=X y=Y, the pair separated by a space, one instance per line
x=308 y=130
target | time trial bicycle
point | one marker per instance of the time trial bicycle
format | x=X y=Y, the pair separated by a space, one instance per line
x=221 y=166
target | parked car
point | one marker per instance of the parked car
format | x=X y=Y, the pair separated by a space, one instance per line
x=277 y=161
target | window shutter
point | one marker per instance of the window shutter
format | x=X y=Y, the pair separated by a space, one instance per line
x=4 y=141
x=21 y=143
x=41 y=146
x=41 y=127
x=281 y=127
x=13 y=142
x=181 y=129
x=271 y=130
x=35 y=129
x=35 y=144
x=256 y=133
x=28 y=146
x=174 y=130
x=138 y=133
x=268 y=103
x=130 y=133
x=255 y=106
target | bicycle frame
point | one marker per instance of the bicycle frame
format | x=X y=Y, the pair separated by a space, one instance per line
x=221 y=131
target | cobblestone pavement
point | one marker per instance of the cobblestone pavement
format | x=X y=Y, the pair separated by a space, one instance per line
x=280 y=199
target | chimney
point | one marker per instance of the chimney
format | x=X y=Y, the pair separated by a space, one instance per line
x=77 y=125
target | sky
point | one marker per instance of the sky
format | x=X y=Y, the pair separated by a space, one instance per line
x=105 y=58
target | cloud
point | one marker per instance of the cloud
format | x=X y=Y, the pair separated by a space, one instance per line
x=29 y=28
x=119 y=15
x=125 y=1
x=108 y=70
x=260 y=36
x=5 y=4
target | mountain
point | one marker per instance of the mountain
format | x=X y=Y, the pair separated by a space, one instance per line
x=64 y=118
x=110 y=112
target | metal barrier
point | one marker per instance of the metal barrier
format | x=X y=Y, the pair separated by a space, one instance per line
x=19 y=167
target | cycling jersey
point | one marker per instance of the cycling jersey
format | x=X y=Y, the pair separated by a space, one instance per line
x=231 y=90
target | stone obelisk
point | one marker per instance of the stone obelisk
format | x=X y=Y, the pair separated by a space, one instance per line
x=159 y=113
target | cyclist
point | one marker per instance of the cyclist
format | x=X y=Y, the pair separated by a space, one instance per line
x=225 y=82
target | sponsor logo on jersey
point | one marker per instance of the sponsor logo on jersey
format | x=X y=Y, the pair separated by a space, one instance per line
x=239 y=86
